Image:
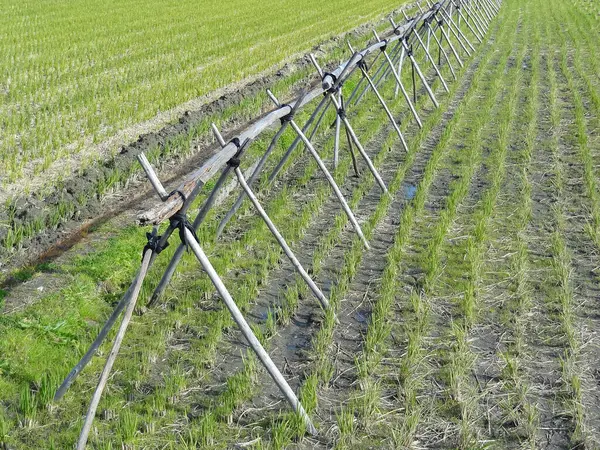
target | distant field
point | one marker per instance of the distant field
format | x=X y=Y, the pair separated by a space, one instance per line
x=76 y=72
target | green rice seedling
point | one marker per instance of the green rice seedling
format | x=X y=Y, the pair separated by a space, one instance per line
x=175 y=381
x=257 y=330
x=105 y=445
x=207 y=430
x=47 y=388
x=27 y=407
x=573 y=397
x=189 y=441
x=148 y=425
x=3 y=295
x=404 y=435
x=159 y=402
x=270 y=323
x=345 y=420
x=4 y=429
x=128 y=426
x=460 y=356
x=281 y=430
x=366 y=405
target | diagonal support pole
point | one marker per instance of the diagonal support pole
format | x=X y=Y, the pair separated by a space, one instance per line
x=346 y=123
x=363 y=68
x=125 y=300
x=351 y=148
x=467 y=8
x=91 y=413
x=399 y=84
x=336 y=142
x=378 y=77
x=487 y=12
x=483 y=13
x=361 y=150
x=311 y=284
x=340 y=113
x=433 y=64
x=255 y=173
x=399 y=71
x=443 y=52
x=493 y=7
x=234 y=163
x=473 y=12
x=322 y=107
x=454 y=52
x=352 y=98
x=421 y=76
x=328 y=176
x=247 y=332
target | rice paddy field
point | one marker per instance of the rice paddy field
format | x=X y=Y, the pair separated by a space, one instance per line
x=472 y=321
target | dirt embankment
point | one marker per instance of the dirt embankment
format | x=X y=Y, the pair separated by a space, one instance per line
x=81 y=194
